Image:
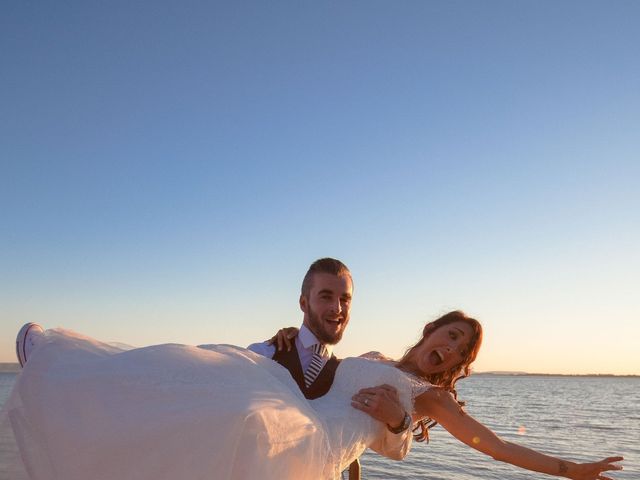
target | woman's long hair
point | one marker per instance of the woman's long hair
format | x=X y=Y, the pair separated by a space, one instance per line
x=448 y=378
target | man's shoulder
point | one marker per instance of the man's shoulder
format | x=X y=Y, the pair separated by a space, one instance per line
x=265 y=349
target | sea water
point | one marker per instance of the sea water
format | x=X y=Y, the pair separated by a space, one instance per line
x=577 y=418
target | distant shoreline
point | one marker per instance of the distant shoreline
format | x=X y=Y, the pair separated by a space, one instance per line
x=15 y=368
x=9 y=367
x=527 y=374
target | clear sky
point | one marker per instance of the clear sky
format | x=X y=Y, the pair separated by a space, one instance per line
x=168 y=171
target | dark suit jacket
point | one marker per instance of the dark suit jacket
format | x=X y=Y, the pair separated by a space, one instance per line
x=321 y=385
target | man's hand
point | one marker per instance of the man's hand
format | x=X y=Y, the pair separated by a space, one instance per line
x=382 y=403
x=283 y=339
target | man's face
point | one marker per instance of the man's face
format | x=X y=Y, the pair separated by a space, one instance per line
x=326 y=308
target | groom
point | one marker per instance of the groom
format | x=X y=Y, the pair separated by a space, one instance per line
x=325 y=301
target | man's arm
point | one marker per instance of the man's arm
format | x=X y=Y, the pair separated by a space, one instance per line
x=393 y=446
x=265 y=349
x=383 y=404
x=283 y=339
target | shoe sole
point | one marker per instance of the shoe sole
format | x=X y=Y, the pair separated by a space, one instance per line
x=21 y=352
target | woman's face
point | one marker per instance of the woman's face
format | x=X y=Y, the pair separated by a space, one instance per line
x=443 y=349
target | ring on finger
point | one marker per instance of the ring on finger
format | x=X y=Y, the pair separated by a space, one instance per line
x=366 y=402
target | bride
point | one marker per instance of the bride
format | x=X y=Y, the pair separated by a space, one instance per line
x=85 y=409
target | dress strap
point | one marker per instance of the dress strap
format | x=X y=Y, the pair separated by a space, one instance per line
x=418 y=387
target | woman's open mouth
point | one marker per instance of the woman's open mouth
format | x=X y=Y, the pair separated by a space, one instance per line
x=436 y=358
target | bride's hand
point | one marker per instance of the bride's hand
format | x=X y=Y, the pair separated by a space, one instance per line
x=593 y=471
x=283 y=339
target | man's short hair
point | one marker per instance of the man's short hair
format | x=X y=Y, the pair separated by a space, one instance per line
x=324 y=265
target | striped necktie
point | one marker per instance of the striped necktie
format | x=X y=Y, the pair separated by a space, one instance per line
x=315 y=365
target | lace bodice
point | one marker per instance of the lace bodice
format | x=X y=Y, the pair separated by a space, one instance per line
x=349 y=430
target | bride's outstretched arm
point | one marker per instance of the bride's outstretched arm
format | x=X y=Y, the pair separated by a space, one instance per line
x=442 y=407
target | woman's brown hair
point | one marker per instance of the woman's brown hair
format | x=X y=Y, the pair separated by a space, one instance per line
x=448 y=378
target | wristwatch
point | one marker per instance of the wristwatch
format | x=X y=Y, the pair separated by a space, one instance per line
x=406 y=423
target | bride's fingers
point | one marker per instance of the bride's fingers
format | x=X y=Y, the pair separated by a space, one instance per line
x=610 y=467
x=284 y=340
x=609 y=463
x=276 y=340
x=613 y=459
x=288 y=334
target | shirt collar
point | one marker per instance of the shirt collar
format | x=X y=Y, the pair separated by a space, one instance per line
x=308 y=339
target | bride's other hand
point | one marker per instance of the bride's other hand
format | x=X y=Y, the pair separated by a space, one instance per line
x=382 y=403
x=283 y=338
x=442 y=407
x=593 y=471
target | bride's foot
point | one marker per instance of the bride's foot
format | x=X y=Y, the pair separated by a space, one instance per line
x=27 y=339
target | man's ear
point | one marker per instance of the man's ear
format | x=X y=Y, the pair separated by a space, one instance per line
x=304 y=304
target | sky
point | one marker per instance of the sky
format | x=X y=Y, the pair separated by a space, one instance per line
x=169 y=170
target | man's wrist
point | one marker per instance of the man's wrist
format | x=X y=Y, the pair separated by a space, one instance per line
x=403 y=426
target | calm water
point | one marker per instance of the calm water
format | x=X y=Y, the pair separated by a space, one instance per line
x=578 y=418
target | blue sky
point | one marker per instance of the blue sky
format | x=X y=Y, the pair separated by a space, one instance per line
x=169 y=170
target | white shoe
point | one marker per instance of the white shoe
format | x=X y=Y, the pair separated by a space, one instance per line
x=26 y=341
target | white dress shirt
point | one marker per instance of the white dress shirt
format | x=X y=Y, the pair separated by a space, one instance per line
x=305 y=340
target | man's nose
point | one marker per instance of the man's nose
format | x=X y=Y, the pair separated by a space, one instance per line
x=336 y=307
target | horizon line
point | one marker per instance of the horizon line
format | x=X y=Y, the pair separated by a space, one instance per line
x=14 y=367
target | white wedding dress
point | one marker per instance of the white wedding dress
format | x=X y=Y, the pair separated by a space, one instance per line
x=82 y=409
